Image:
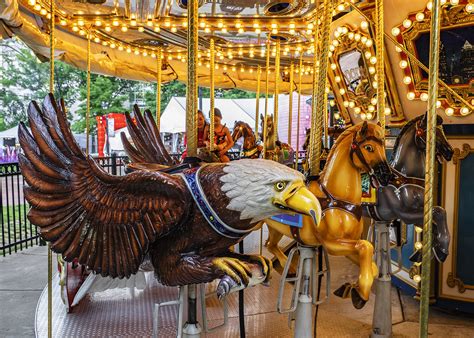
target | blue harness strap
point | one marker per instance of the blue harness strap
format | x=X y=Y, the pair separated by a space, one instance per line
x=191 y=177
x=295 y=220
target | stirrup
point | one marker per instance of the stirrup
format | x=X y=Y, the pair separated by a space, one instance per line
x=204 y=296
x=158 y=306
x=298 y=279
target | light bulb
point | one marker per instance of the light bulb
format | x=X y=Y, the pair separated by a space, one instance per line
x=464 y=111
x=420 y=16
x=417 y=278
x=395 y=31
x=403 y=64
x=407 y=80
x=411 y=96
x=424 y=96
x=418 y=245
x=449 y=111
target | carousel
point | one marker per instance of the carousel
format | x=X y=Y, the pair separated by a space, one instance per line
x=294 y=238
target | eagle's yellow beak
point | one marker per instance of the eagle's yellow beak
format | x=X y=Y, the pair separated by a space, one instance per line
x=299 y=199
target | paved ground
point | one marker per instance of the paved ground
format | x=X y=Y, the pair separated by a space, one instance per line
x=23 y=277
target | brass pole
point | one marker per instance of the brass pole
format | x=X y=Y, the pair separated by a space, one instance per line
x=88 y=84
x=159 y=64
x=276 y=92
x=257 y=103
x=415 y=60
x=192 y=87
x=298 y=114
x=211 y=97
x=51 y=90
x=290 y=103
x=264 y=131
x=380 y=64
x=319 y=91
x=430 y=165
x=325 y=119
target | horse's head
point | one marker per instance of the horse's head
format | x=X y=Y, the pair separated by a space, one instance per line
x=443 y=148
x=269 y=123
x=368 y=151
x=238 y=131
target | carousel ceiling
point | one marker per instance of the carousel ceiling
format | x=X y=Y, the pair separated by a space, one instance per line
x=127 y=35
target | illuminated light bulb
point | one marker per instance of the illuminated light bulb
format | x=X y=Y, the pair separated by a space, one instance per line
x=129 y=50
x=357 y=110
x=341 y=7
x=104 y=43
x=337 y=34
x=417 y=278
x=373 y=100
x=407 y=23
x=438 y=104
x=332 y=103
x=185 y=24
x=332 y=48
x=292 y=25
x=363 y=116
x=234 y=69
x=346 y=103
x=137 y=52
x=449 y=111
x=115 y=23
x=31 y=2
x=202 y=24
x=351 y=104
x=420 y=16
x=395 y=31
x=344 y=30
x=333 y=66
x=274 y=31
x=75 y=29
x=429 y=5
x=464 y=111
x=43 y=11
x=255 y=25
x=82 y=32
x=357 y=36
x=174 y=29
x=292 y=31
x=224 y=68
x=329 y=54
x=443 y=2
x=375 y=84
x=398 y=49
x=424 y=96
x=98 y=23
x=364 y=25
x=403 y=64
x=407 y=80
x=387 y=110
x=120 y=48
x=251 y=70
x=96 y=40
x=454 y=2
x=80 y=22
x=410 y=96
x=242 y=70
x=350 y=35
x=167 y=24
x=470 y=8
x=37 y=7
x=342 y=91
x=363 y=39
x=220 y=25
x=372 y=70
x=418 y=245
x=337 y=78
x=149 y=23
x=310 y=25
x=369 y=116
x=238 y=25
x=224 y=30
x=112 y=45
x=371 y=108
x=144 y=53
x=124 y=28
x=63 y=22
x=326 y=90
x=207 y=30
x=108 y=28
x=335 y=43
x=368 y=55
x=373 y=60
x=141 y=29
x=156 y=29
x=257 y=31
x=133 y=23
x=199 y=63
x=369 y=43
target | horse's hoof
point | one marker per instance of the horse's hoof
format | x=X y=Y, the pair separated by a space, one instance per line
x=440 y=255
x=357 y=300
x=416 y=257
x=343 y=291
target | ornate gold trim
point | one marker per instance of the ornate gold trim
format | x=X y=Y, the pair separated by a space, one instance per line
x=453 y=282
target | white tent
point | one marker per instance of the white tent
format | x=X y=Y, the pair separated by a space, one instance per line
x=9 y=133
x=173 y=119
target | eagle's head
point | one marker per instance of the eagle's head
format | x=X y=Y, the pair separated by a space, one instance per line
x=259 y=189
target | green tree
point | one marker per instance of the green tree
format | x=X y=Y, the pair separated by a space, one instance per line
x=168 y=90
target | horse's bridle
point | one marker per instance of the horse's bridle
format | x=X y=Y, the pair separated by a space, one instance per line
x=355 y=148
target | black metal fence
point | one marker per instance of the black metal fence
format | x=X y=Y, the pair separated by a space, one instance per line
x=17 y=232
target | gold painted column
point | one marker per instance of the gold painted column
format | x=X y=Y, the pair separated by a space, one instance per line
x=319 y=87
x=276 y=92
x=430 y=166
x=290 y=103
x=380 y=63
x=192 y=85
x=267 y=74
x=211 y=94
x=159 y=63
x=257 y=103
x=88 y=88
x=298 y=114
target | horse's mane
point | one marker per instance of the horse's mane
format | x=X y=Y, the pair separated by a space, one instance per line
x=345 y=133
x=402 y=132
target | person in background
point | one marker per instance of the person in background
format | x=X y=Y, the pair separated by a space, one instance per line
x=202 y=134
x=222 y=137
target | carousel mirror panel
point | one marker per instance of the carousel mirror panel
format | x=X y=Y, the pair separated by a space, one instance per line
x=456 y=64
x=352 y=75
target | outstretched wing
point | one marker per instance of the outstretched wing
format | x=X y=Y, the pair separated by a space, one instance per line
x=107 y=222
x=148 y=146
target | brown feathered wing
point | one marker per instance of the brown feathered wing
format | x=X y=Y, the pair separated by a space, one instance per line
x=147 y=144
x=107 y=222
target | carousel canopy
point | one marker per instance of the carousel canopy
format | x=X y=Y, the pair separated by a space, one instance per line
x=126 y=37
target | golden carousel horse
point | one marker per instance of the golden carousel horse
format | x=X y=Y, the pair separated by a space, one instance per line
x=276 y=150
x=338 y=188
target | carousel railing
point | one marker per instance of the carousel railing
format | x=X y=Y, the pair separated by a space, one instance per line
x=17 y=232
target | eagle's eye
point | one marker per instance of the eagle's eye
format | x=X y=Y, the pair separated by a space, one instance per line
x=279 y=186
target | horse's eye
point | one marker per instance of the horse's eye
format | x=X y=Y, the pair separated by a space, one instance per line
x=279 y=186
x=369 y=148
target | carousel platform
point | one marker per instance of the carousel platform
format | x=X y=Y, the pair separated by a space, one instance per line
x=128 y=313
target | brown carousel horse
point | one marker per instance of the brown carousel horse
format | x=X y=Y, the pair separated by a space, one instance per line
x=359 y=149
x=276 y=150
x=250 y=148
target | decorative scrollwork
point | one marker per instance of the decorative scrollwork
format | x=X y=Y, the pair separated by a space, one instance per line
x=461 y=154
x=452 y=282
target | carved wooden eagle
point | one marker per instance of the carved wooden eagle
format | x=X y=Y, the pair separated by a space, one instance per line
x=186 y=222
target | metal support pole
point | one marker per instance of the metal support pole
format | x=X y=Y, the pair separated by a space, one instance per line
x=267 y=73
x=88 y=85
x=192 y=84
x=211 y=93
x=158 y=86
x=430 y=167
x=382 y=317
x=380 y=64
x=290 y=105
x=300 y=75
x=192 y=327
x=276 y=92
x=304 y=309
x=257 y=103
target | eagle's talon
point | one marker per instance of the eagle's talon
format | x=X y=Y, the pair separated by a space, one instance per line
x=266 y=265
x=234 y=268
x=225 y=285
